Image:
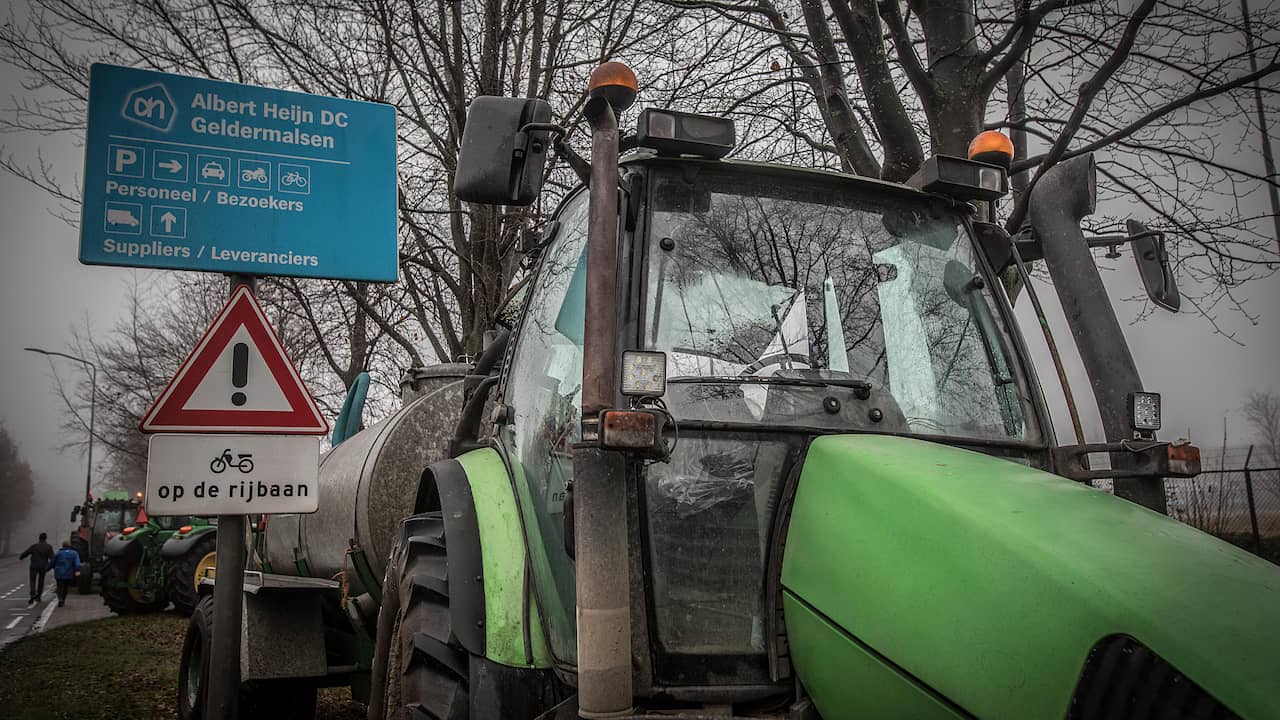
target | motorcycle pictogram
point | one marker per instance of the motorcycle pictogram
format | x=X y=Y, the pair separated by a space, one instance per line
x=225 y=460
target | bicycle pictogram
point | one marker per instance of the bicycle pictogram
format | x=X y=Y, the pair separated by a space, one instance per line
x=293 y=177
x=226 y=460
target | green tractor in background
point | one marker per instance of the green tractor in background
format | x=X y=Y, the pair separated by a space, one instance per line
x=100 y=520
x=156 y=561
x=189 y=555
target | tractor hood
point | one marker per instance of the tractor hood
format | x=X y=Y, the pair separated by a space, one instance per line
x=959 y=583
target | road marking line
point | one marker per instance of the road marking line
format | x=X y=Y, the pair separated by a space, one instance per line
x=44 y=616
x=16 y=619
x=223 y=149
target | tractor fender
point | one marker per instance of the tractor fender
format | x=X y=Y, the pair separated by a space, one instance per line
x=466 y=567
x=177 y=546
x=122 y=545
x=492 y=609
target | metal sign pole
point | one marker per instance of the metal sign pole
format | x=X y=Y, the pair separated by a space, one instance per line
x=223 y=690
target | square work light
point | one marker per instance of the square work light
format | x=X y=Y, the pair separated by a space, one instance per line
x=644 y=374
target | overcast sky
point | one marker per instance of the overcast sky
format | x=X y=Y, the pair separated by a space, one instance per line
x=1204 y=377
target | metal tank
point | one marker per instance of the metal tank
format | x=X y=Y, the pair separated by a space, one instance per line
x=370 y=482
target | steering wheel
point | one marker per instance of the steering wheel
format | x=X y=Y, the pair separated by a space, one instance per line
x=778 y=359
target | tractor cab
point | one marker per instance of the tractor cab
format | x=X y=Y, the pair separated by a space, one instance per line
x=764 y=306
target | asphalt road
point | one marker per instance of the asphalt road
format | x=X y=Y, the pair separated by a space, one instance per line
x=16 y=619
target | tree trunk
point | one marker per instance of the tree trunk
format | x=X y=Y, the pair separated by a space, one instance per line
x=956 y=66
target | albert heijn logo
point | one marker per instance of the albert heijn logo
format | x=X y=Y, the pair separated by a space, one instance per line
x=151 y=105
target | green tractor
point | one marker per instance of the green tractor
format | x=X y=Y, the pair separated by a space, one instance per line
x=156 y=561
x=756 y=442
x=99 y=521
x=190 y=555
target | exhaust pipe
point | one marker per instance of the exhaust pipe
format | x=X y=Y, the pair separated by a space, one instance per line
x=1063 y=197
x=599 y=477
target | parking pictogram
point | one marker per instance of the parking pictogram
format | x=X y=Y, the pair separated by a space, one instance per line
x=126 y=160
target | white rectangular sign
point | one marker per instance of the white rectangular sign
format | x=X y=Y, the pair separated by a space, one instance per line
x=232 y=474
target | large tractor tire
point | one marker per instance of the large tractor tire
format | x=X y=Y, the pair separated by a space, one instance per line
x=182 y=574
x=420 y=669
x=427 y=672
x=84 y=583
x=117 y=572
x=261 y=700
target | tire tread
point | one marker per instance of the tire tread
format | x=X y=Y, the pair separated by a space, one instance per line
x=433 y=664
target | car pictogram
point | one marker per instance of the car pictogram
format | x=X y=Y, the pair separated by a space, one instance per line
x=212 y=170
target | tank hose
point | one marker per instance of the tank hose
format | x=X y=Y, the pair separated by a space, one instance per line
x=348 y=422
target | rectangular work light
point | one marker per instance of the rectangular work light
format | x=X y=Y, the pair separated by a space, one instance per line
x=1144 y=411
x=961 y=179
x=678 y=133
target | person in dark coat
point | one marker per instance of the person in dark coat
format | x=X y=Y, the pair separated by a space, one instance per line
x=41 y=560
x=66 y=568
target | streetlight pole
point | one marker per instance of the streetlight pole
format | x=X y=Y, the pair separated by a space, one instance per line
x=93 y=404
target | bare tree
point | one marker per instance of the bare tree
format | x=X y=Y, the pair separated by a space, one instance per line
x=1262 y=412
x=849 y=84
x=1157 y=90
x=16 y=487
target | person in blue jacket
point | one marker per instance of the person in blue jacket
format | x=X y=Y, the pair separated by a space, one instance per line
x=66 y=568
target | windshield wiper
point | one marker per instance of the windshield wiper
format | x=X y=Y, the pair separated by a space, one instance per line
x=773 y=380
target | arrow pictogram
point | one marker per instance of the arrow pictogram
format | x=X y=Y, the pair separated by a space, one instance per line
x=172 y=166
x=168 y=219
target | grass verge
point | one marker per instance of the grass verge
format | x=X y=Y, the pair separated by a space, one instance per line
x=109 y=669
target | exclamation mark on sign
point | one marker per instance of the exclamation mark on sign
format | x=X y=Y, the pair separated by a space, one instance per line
x=239 y=372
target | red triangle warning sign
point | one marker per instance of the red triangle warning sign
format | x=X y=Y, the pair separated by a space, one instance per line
x=236 y=380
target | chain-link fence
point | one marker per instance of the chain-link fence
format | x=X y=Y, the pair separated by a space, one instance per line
x=1240 y=505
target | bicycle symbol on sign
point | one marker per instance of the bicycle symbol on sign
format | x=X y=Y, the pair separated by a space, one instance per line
x=293 y=177
x=225 y=460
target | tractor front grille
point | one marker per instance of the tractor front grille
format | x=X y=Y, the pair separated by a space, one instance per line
x=1126 y=680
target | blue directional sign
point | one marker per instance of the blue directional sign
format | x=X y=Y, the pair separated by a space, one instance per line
x=192 y=174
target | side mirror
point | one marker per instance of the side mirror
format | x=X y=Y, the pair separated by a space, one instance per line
x=1153 y=265
x=504 y=151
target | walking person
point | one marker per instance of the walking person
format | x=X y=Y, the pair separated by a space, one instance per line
x=66 y=568
x=41 y=560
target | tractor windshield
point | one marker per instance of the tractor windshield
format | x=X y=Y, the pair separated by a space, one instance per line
x=112 y=519
x=817 y=305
